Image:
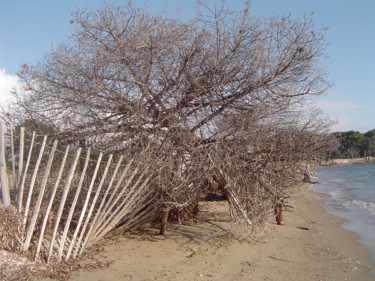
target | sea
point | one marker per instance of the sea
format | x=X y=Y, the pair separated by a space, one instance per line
x=350 y=194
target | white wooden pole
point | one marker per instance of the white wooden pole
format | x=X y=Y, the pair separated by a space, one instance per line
x=83 y=212
x=31 y=228
x=104 y=199
x=3 y=168
x=21 y=184
x=63 y=199
x=74 y=203
x=13 y=162
x=93 y=204
x=50 y=203
x=33 y=179
x=106 y=209
x=119 y=196
x=20 y=162
x=123 y=207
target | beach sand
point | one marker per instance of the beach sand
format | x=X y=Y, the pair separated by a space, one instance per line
x=310 y=246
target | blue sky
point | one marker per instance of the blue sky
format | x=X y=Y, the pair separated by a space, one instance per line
x=29 y=28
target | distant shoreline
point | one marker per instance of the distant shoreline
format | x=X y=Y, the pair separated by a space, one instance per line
x=337 y=162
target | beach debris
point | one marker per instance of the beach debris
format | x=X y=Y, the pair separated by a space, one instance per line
x=280 y=206
x=274 y=258
x=279 y=214
x=303 y=228
x=190 y=252
x=278 y=209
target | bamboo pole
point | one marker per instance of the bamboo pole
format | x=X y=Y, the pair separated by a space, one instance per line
x=84 y=210
x=24 y=174
x=72 y=207
x=30 y=230
x=3 y=168
x=63 y=199
x=33 y=179
x=50 y=202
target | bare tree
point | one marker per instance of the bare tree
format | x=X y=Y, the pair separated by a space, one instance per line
x=126 y=71
x=217 y=95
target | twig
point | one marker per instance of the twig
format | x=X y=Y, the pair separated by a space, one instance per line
x=279 y=259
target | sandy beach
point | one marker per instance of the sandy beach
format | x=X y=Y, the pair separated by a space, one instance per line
x=311 y=246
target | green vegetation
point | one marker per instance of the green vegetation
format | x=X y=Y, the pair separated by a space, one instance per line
x=355 y=144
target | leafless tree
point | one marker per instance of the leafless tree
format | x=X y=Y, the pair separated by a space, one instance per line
x=218 y=95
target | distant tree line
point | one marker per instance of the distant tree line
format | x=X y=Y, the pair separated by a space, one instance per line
x=354 y=144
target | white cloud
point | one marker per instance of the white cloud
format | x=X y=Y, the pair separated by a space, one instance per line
x=8 y=83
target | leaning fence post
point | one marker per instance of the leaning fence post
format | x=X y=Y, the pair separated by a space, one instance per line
x=50 y=202
x=63 y=200
x=93 y=204
x=83 y=211
x=33 y=180
x=3 y=168
x=21 y=183
x=100 y=210
x=31 y=227
x=13 y=161
x=20 y=164
x=73 y=205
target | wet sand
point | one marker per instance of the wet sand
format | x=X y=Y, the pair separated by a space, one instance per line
x=310 y=246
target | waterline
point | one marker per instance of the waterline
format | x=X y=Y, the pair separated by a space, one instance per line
x=350 y=194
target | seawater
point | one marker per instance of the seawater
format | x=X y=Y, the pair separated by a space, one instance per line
x=350 y=194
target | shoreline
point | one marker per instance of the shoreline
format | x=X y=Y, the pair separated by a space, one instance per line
x=349 y=161
x=353 y=246
x=341 y=189
x=311 y=246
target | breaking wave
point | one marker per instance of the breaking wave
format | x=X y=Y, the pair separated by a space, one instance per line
x=337 y=193
x=369 y=206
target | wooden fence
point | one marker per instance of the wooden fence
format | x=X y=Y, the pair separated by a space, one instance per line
x=69 y=197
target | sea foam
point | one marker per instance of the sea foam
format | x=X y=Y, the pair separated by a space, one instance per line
x=369 y=206
x=337 y=193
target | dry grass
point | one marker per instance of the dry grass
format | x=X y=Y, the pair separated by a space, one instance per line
x=16 y=267
x=14 y=264
x=11 y=233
